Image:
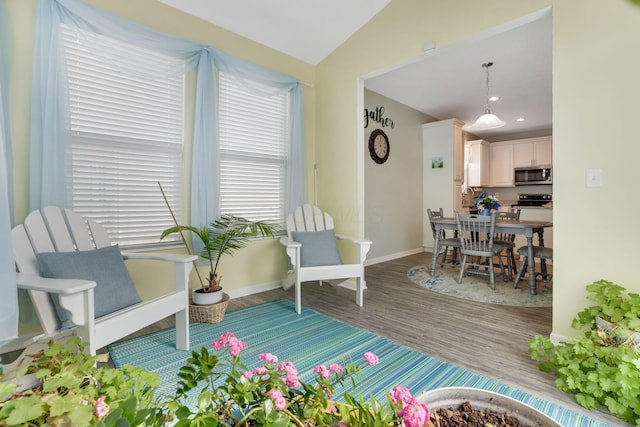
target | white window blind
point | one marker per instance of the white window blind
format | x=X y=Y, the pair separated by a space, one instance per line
x=254 y=140
x=127 y=132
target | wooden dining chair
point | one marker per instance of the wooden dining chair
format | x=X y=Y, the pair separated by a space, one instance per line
x=509 y=241
x=478 y=247
x=444 y=243
x=539 y=252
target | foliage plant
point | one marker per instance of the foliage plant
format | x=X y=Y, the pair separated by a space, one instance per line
x=78 y=389
x=486 y=201
x=601 y=365
x=273 y=395
x=224 y=236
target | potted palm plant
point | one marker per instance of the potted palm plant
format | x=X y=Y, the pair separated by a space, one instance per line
x=224 y=236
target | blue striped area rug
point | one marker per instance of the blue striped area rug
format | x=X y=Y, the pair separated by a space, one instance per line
x=310 y=339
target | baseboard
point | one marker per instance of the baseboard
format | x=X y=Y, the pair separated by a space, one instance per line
x=255 y=289
x=20 y=342
x=557 y=338
x=393 y=256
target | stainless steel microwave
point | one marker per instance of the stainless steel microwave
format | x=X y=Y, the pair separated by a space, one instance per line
x=533 y=175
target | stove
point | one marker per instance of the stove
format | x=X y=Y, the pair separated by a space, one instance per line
x=534 y=199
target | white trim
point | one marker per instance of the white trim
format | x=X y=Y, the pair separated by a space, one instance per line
x=21 y=342
x=557 y=338
x=255 y=289
x=393 y=256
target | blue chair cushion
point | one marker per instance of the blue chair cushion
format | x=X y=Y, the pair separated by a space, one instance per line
x=318 y=248
x=114 y=288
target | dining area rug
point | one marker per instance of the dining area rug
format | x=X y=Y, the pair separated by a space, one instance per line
x=478 y=288
x=312 y=338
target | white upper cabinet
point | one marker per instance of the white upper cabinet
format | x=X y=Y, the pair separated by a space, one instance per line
x=501 y=173
x=532 y=152
x=477 y=163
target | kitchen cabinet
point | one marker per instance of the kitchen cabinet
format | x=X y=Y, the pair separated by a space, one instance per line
x=477 y=163
x=532 y=152
x=501 y=170
x=441 y=186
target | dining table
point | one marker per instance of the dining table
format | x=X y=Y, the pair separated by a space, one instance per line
x=521 y=227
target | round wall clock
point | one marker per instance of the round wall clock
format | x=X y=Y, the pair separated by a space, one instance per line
x=379 y=146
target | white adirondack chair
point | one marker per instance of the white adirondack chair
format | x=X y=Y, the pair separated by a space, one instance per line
x=308 y=218
x=55 y=230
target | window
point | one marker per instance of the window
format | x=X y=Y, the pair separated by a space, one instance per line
x=127 y=131
x=254 y=140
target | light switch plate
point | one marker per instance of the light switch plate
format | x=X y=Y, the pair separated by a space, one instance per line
x=594 y=178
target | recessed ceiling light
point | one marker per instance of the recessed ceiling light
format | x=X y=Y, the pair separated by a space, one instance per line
x=520 y=119
x=494 y=98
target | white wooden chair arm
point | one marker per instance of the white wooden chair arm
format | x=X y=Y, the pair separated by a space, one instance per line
x=73 y=294
x=353 y=239
x=178 y=258
x=289 y=242
x=58 y=286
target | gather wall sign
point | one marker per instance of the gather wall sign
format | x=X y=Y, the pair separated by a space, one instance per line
x=377 y=115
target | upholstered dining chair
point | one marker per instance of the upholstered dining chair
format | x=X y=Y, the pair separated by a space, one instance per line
x=509 y=240
x=476 y=243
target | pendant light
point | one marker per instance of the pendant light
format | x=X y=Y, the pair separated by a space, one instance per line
x=487 y=120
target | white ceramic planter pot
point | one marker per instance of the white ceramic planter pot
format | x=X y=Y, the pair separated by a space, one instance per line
x=206 y=298
x=453 y=397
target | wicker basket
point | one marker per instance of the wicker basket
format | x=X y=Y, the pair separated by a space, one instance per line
x=213 y=313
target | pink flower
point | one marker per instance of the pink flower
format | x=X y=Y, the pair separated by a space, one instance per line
x=247 y=374
x=280 y=403
x=291 y=374
x=268 y=358
x=260 y=370
x=334 y=367
x=102 y=409
x=414 y=414
x=235 y=346
x=322 y=371
x=288 y=367
x=400 y=394
x=371 y=358
x=278 y=399
x=274 y=393
x=222 y=341
x=292 y=380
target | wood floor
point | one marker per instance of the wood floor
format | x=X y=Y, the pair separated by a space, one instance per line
x=488 y=339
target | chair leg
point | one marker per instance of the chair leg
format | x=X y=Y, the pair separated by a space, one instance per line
x=444 y=256
x=523 y=268
x=505 y=277
x=491 y=273
x=462 y=264
x=298 y=296
x=182 y=329
x=359 y=291
x=513 y=267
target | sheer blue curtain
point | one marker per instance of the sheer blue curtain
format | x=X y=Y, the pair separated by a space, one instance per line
x=50 y=114
x=8 y=290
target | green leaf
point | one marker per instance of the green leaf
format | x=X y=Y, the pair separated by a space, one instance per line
x=24 y=410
